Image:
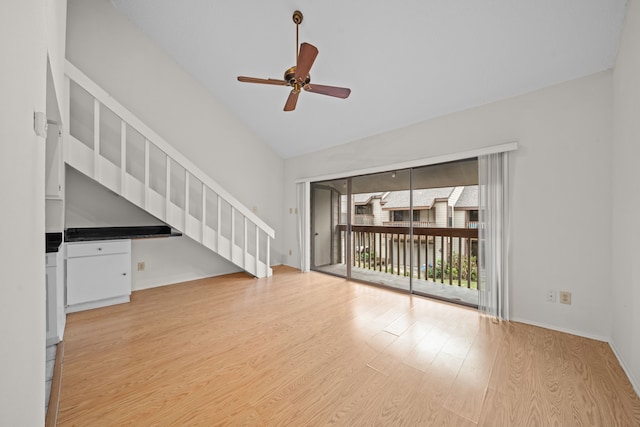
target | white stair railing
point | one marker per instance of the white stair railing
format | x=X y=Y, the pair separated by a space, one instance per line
x=106 y=142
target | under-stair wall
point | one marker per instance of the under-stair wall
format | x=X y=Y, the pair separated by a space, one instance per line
x=109 y=144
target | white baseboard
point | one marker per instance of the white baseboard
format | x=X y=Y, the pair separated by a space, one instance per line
x=566 y=331
x=634 y=381
x=166 y=280
x=98 y=304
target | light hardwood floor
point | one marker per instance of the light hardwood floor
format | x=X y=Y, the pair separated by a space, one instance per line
x=311 y=349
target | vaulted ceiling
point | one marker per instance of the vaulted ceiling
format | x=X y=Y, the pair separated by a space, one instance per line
x=406 y=60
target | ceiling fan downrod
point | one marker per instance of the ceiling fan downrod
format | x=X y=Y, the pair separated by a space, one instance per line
x=297 y=19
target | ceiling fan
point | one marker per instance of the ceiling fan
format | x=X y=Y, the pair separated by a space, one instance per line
x=298 y=76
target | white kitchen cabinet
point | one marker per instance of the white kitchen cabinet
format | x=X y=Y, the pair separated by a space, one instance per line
x=56 y=317
x=98 y=274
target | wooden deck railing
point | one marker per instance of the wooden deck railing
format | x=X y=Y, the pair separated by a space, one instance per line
x=444 y=255
x=408 y=224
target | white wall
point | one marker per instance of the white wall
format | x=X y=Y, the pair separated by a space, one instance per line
x=442 y=213
x=564 y=161
x=56 y=24
x=379 y=216
x=122 y=60
x=22 y=284
x=89 y=204
x=626 y=197
x=167 y=260
x=460 y=219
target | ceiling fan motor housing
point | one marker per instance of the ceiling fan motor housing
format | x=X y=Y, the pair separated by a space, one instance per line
x=290 y=77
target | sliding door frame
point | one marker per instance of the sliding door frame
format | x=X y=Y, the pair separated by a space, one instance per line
x=304 y=199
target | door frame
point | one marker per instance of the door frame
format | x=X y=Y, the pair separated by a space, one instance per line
x=304 y=198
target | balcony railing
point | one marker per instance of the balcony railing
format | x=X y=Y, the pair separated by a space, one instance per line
x=408 y=224
x=442 y=255
x=363 y=219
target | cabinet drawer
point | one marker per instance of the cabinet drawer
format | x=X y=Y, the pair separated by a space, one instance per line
x=101 y=247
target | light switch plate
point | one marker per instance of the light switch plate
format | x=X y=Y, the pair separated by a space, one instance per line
x=40 y=124
x=551 y=296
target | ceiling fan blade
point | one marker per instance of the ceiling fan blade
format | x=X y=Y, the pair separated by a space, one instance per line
x=262 y=81
x=338 y=92
x=306 y=57
x=292 y=100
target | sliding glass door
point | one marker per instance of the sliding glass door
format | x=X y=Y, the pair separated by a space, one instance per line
x=445 y=233
x=413 y=229
x=380 y=230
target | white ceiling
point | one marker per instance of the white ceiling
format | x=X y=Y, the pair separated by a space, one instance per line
x=405 y=60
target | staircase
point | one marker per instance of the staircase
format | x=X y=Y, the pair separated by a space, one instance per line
x=107 y=143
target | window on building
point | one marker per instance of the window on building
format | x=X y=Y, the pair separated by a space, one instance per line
x=404 y=215
x=473 y=215
x=363 y=210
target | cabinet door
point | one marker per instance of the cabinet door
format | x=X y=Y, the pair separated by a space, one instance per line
x=53 y=322
x=50 y=277
x=95 y=278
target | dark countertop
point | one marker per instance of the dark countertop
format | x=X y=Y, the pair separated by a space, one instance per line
x=111 y=233
x=53 y=241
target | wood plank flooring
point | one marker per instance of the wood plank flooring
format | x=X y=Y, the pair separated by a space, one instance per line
x=311 y=349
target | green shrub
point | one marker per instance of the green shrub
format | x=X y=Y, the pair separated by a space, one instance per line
x=464 y=273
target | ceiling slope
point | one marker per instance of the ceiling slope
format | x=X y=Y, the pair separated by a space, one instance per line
x=406 y=61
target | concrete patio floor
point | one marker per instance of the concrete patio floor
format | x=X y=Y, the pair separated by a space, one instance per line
x=453 y=293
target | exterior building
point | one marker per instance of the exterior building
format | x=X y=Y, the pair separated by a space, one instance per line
x=465 y=209
x=445 y=207
x=367 y=208
x=429 y=207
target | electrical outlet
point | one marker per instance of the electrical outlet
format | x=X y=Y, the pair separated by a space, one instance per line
x=141 y=266
x=565 y=297
x=551 y=296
